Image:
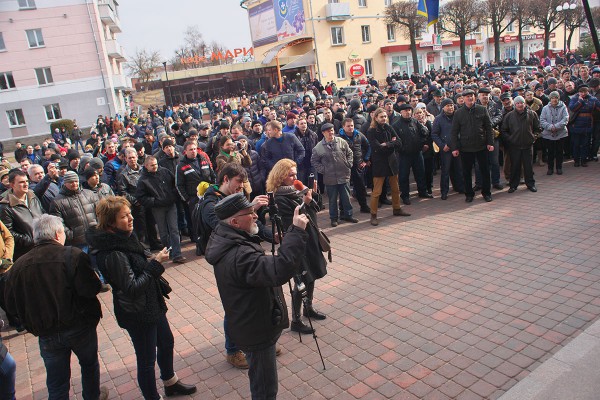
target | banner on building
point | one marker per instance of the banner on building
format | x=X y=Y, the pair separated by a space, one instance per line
x=262 y=24
x=289 y=17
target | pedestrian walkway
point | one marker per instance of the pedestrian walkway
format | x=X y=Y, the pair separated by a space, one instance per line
x=459 y=301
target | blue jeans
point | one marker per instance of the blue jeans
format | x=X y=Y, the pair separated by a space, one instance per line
x=56 y=351
x=406 y=162
x=93 y=260
x=263 y=373
x=153 y=343
x=230 y=347
x=78 y=144
x=343 y=190
x=451 y=171
x=8 y=375
x=166 y=220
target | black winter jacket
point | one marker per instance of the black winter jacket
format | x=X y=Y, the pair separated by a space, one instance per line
x=521 y=129
x=127 y=181
x=49 y=297
x=384 y=160
x=412 y=133
x=471 y=129
x=137 y=297
x=309 y=141
x=19 y=220
x=190 y=172
x=156 y=190
x=77 y=211
x=249 y=283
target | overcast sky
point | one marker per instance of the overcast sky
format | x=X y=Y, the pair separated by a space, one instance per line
x=159 y=24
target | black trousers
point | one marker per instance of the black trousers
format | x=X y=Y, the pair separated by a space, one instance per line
x=555 y=153
x=518 y=158
x=358 y=183
x=468 y=161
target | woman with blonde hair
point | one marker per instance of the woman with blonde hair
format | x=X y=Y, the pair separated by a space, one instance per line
x=281 y=182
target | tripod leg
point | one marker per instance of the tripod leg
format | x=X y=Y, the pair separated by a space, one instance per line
x=305 y=301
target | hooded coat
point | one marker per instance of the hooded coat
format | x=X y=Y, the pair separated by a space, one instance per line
x=249 y=283
x=137 y=296
x=555 y=117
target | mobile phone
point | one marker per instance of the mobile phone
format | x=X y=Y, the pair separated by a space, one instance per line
x=170 y=248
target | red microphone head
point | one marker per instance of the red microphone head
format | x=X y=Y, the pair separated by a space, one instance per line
x=299 y=186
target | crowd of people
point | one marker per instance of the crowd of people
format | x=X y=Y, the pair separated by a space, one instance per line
x=139 y=184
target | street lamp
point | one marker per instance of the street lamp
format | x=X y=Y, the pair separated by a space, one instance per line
x=168 y=83
x=566 y=7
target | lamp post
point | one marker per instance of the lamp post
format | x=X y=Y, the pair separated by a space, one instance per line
x=566 y=7
x=168 y=83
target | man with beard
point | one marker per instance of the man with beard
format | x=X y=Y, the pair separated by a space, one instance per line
x=451 y=166
x=414 y=137
x=472 y=138
x=249 y=283
x=231 y=181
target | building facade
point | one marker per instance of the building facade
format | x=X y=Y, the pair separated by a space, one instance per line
x=59 y=59
x=350 y=38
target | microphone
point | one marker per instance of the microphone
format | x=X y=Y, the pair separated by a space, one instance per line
x=299 y=186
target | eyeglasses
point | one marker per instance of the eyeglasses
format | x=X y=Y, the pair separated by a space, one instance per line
x=249 y=213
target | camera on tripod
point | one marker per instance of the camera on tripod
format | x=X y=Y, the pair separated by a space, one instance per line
x=276 y=221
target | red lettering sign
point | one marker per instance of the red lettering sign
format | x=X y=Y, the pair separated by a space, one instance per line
x=357 y=70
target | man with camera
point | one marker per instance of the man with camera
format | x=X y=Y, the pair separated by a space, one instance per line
x=249 y=283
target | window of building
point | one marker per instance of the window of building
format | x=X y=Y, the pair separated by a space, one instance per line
x=44 y=76
x=35 y=38
x=451 y=58
x=365 y=31
x=333 y=1
x=526 y=28
x=387 y=2
x=419 y=32
x=362 y=3
x=369 y=66
x=52 y=112
x=510 y=52
x=2 y=45
x=340 y=68
x=510 y=27
x=404 y=64
x=26 y=4
x=6 y=80
x=337 y=35
x=391 y=33
x=15 y=118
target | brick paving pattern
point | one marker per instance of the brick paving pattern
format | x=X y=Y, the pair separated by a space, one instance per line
x=458 y=301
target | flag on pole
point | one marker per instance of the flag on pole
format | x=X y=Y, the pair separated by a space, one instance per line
x=430 y=10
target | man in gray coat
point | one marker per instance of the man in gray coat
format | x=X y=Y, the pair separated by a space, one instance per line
x=333 y=158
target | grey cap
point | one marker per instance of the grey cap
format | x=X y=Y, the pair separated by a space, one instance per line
x=554 y=94
x=71 y=176
x=519 y=99
x=326 y=126
x=231 y=205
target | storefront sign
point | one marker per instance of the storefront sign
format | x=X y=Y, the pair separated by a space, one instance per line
x=533 y=36
x=354 y=56
x=215 y=56
x=357 y=70
x=430 y=58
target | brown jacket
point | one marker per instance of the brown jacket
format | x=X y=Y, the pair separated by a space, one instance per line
x=7 y=242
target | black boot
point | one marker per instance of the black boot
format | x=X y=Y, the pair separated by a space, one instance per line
x=179 y=388
x=309 y=311
x=297 y=325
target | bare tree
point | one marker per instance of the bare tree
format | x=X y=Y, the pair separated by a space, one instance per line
x=522 y=10
x=462 y=18
x=545 y=17
x=143 y=64
x=403 y=16
x=192 y=37
x=574 y=20
x=500 y=15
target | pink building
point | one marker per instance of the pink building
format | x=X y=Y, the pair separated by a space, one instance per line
x=59 y=59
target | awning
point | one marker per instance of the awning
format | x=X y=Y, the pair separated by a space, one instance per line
x=274 y=51
x=304 y=60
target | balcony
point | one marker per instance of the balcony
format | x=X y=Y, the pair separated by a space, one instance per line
x=115 y=50
x=121 y=82
x=337 y=11
x=109 y=17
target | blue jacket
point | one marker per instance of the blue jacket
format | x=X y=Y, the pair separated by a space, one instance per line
x=584 y=109
x=442 y=128
x=286 y=146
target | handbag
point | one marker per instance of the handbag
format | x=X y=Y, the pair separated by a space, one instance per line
x=324 y=242
x=165 y=287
